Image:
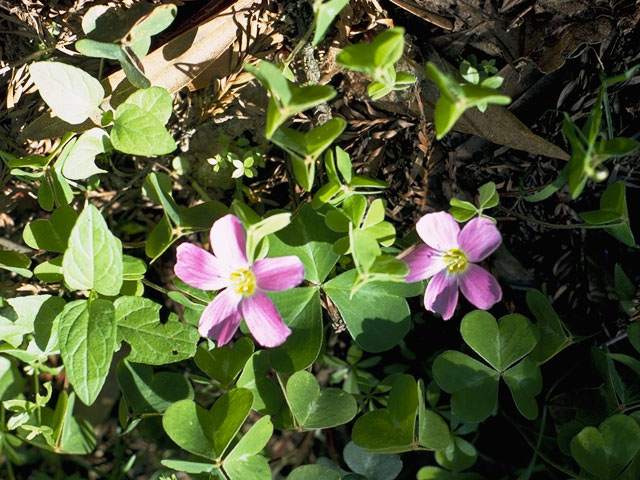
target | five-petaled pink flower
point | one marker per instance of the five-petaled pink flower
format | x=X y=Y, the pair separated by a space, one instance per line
x=243 y=284
x=449 y=256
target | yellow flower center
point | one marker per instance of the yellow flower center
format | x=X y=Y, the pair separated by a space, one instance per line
x=243 y=281
x=456 y=260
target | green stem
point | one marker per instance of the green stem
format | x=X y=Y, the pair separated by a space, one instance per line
x=535 y=221
x=300 y=44
x=36 y=386
x=155 y=287
x=555 y=465
x=286 y=399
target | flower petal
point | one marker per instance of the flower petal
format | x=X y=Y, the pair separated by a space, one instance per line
x=479 y=238
x=221 y=318
x=423 y=262
x=439 y=230
x=228 y=241
x=198 y=268
x=263 y=320
x=280 y=273
x=442 y=295
x=480 y=287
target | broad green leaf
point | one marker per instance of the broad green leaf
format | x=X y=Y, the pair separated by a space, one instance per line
x=318 y=408
x=187 y=466
x=154 y=100
x=633 y=333
x=314 y=472
x=433 y=431
x=207 y=433
x=475 y=95
x=325 y=12
x=51 y=234
x=447 y=85
x=488 y=196
x=525 y=382
x=310 y=240
x=73 y=435
x=152 y=342
x=474 y=387
x=15 y=262
x=364 y=249
x=50 y=271
x=153 y=22
x=435 y=473
x=552 y=336
x=267 y=396
x=613 y=206
x=71 y=93
x=461 y=210
x=79 y=164
x=160 y=238
x=391 y=429
x=138 y=132
x=11 y=382
x=223 y=364
x=157 y=186
x=300 y=309
x=243 y=462
x=606 y=450
x=459 y=456
x=500 y=343
x=148 y=392
x=93 y=258
x=93 y=48
x=373 y=466
x=377 y=316
x=33 y=314
x=445 y=115
x=87 y=336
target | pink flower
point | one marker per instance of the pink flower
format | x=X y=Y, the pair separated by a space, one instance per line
x=449 y=257
x=242 y=285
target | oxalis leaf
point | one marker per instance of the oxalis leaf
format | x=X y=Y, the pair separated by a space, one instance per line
x=93 y=259
x=208 y=433
x=224 y=363
x=71 y=93
x=391 y=429
x=87 y=337
x=52 y=234
x=606 y=450
x=315 y=408
x=153 y=342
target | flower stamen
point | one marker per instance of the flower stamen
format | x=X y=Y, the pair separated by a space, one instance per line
x=243 y=281
x=456 y=260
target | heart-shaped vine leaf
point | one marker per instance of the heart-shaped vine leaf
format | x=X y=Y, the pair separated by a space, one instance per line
x=70 y=92
x=500 y=343
x=318 y=408
x=52 y=234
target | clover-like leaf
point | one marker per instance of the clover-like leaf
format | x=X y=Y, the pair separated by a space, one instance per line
x=390 y=429
x=472 y=385
x=606 y=450
x=318 y=408
x=224 y=363
x=208 y=433
x=525 y=382
x=500 y=343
